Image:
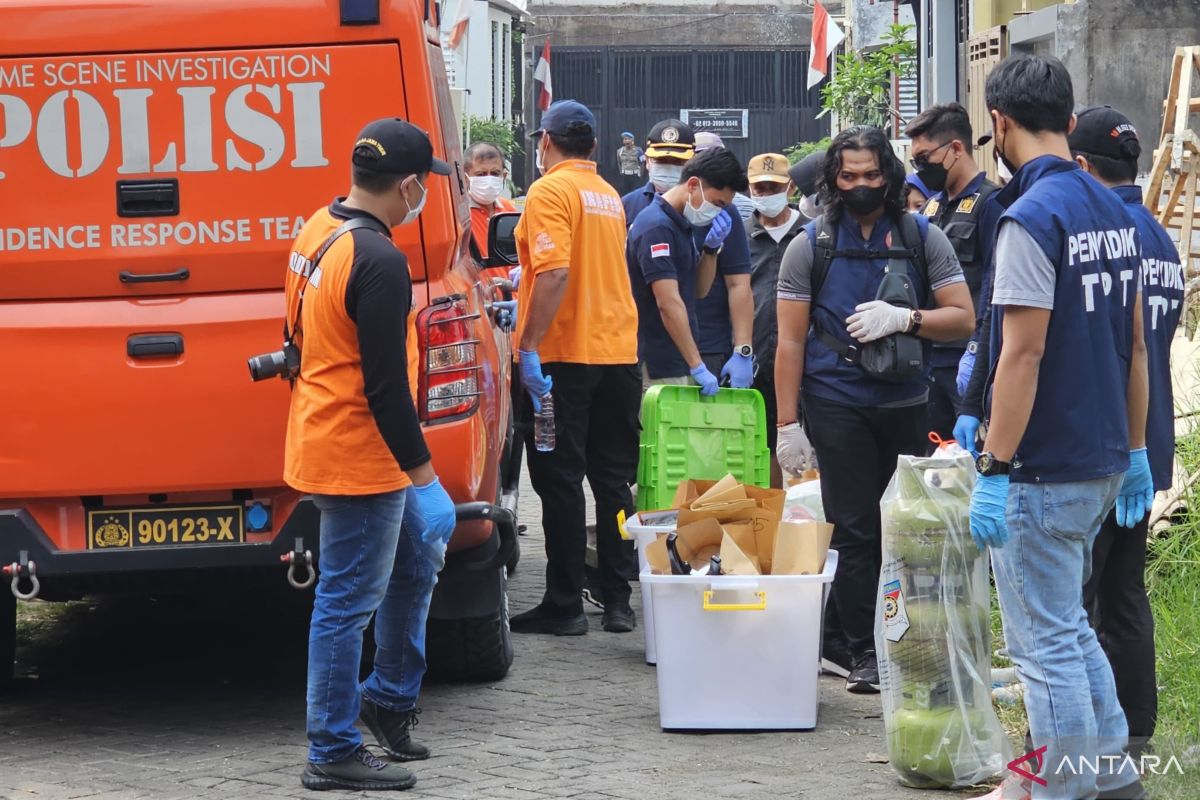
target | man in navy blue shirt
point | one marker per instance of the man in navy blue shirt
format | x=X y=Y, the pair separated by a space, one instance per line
x=665 y=268
x=1067 y=423
x=1105 y=145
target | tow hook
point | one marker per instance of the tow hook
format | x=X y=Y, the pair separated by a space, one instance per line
x=19 y=568
x=299 y=556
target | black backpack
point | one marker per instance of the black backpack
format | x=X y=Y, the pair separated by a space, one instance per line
x=899 y=358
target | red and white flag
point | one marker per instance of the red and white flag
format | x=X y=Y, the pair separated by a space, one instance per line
x=541 y=73
x=826 y=36
x=462 y=18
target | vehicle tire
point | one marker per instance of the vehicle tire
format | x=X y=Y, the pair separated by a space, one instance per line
x=8 y=637
x=515 y=558
x=470 y=650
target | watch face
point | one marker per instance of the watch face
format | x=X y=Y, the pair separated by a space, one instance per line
x=746 y=350
x=984 y=463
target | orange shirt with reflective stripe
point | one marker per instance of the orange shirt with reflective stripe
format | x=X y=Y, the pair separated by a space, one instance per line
x=333 y=444
x=574 y=220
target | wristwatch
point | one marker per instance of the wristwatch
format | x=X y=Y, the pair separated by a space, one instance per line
x=710 y=251
x=988 y=465
x=914 y=322
x=745 y=351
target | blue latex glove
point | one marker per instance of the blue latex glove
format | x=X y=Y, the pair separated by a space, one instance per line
x=708 y=381
x=966 y=429
x=722 y=224
x=537 y=384
x=989 y=526
x=506 y=314
x=1137 y=492
x=514 y=275
x=431 y=511
x=966 y=365
x=740 y=371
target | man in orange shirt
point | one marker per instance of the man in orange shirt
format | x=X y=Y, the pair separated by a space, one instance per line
x=486 y=176
x=355 y=444
x=577 y=329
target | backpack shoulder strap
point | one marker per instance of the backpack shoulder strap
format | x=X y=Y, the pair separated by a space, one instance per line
x=824 y=248
x=912 y=239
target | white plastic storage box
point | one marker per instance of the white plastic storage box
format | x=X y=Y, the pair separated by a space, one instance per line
x=738 y=653
x=645 y=527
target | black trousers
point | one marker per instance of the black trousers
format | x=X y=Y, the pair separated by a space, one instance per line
x=596 y=432
x=1119 y=610
x=857 y=449
x=943 y=402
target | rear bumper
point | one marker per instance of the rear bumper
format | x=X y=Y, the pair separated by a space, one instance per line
x=22 y=540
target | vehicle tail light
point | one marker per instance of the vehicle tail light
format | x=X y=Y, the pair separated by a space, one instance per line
x=450 y=368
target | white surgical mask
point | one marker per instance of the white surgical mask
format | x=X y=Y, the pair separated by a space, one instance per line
x=701 y=216
x=484 y=189
x=809 y=206
x=665 y=176
x=770 y=205
x=1003 y=171
x=413 y=213
x=537 y=158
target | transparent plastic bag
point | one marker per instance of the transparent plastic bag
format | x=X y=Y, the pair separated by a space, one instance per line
x=932 y=628
x=804 y=502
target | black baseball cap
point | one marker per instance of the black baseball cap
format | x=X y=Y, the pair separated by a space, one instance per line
x=396 y=147
x=671 y=138
x=562 y=115
x=804 y=172
x=1104 y=131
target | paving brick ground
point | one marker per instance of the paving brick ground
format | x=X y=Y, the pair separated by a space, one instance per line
x=199 y=697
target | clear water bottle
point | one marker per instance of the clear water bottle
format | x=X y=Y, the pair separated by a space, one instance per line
x=543 y=425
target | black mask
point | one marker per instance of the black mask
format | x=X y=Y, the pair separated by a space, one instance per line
x=862 y=200
x=934 y=176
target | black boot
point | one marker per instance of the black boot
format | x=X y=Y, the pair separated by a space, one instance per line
x=391 y=730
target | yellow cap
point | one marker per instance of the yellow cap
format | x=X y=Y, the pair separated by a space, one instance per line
x=768 y=167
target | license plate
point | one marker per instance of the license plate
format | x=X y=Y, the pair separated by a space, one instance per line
x=124 y=528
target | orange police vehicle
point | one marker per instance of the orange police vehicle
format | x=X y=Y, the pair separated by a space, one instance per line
x=156 y=160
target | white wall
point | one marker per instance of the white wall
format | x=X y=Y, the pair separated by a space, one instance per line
x=482 y=63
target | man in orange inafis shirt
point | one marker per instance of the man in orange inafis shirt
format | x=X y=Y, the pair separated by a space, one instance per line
x=484 y=164
x=354 y=443
x=577 y=329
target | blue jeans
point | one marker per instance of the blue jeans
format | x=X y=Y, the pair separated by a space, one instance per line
x=373 y=561
x=1070 y=695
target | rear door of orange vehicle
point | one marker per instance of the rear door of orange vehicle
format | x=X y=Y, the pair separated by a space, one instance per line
x=155 y=163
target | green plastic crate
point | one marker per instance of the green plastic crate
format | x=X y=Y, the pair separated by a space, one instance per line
x=686 y=436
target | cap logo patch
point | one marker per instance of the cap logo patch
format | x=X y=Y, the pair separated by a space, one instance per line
x=768 y=165
x=1125 y=128
x=670 y=135
x=372 y=143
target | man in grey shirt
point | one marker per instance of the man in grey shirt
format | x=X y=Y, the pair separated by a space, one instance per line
x=858 y=423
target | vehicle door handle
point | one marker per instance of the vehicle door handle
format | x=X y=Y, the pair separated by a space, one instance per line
x=154 y=345
x=181 y=274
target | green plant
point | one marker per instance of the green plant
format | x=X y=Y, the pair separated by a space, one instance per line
x=499 y=132
x=800 y=151
x=860 y=89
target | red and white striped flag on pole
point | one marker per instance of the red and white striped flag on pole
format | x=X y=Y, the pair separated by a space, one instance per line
x=826 y=36
x=462 y=18
x=541 y=73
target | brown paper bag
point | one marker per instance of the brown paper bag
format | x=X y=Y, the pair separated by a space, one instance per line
x=800 y=548
x=698 y=542
x=734 y=560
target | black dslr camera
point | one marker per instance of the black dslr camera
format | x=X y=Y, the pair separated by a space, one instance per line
x=283 y=364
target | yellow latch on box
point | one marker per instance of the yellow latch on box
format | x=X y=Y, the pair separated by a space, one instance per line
x=761 y=605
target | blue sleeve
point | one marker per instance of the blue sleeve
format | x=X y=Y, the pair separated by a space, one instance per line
x=655 y=263
x=989 y=222
x=735 y=253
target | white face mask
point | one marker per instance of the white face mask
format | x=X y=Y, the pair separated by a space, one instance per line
x=484 y=189
x=665 y=176
x=1003 y=171
x=703 y=215
x=809 y=206
x=770 y=205
x=537 y=157
x=413 y=213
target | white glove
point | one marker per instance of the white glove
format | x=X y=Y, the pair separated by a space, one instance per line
x=876 y=320
x=793 y=450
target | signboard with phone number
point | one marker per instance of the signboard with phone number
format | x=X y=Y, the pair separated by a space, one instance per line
x=732 y=123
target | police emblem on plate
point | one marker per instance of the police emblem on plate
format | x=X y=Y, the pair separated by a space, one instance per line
x=111 y=534
x=670 y=135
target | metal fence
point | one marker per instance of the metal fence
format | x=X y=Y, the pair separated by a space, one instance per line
x=632 y=88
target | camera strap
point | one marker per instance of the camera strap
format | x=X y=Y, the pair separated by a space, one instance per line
x=349 y=225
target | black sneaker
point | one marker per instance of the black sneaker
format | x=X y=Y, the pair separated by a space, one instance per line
x=391 y=730
x=619 y=619
x=540 y=620
x=864 y=678
x=835 y=659
x=361 y=771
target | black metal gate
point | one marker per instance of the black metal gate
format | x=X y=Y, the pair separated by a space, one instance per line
x=632 y=88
